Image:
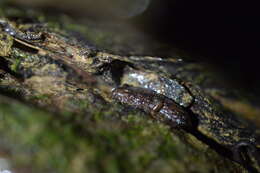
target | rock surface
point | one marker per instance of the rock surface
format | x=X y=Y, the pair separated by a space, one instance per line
x=57 y=113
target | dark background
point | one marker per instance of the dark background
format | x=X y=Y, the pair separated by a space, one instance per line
x=223 y=33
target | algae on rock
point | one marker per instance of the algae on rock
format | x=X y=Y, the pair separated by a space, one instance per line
x=57 y=114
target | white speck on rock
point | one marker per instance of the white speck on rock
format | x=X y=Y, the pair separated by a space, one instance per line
x=4 y=166
x=5 y=171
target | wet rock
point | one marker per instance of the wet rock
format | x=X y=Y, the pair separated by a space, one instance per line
x=76 y=124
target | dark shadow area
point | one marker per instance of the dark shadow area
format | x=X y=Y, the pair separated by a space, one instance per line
x=227 y=152
x=221 y=150
x=115 y=69
x=4 y=65
x=223 y=33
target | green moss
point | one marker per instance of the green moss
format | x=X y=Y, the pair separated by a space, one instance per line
x=40 y=97
x=16 y=64
x=6 y=43
x=82 y=136
x=96 y=37
x=49 y=141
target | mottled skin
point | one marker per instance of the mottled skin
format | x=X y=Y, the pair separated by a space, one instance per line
x=159 y=106
x=28 y=36
x=224 y=130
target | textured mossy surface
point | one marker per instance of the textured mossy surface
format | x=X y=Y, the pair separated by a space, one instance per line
x=50 y=121
x=40 y=141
